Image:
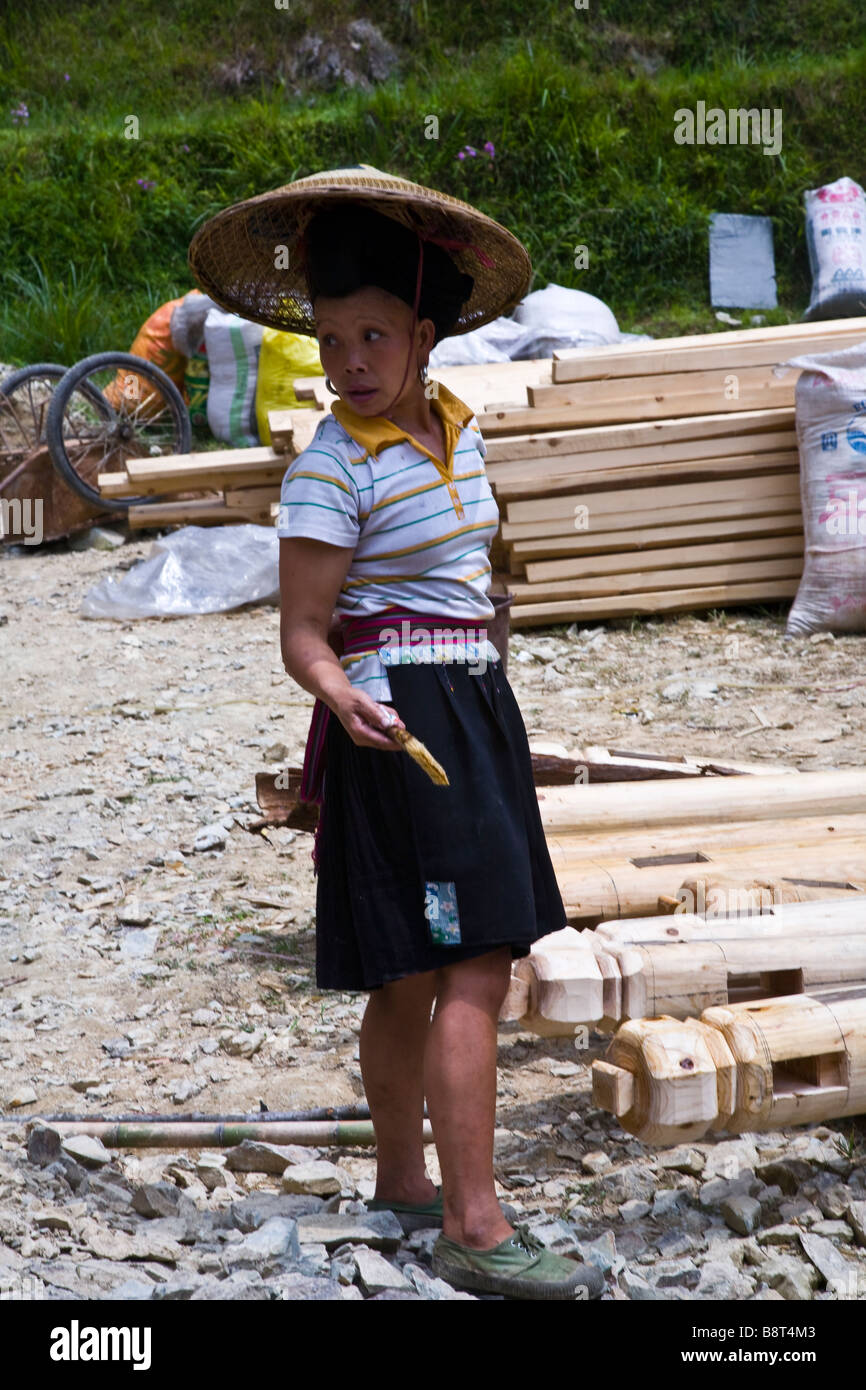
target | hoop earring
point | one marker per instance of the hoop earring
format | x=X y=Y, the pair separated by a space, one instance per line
x=422 y=374
x=329 y=386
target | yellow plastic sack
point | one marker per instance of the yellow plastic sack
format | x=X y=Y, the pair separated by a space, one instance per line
x=283 y=357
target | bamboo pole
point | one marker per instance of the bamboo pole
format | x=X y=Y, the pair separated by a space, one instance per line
x=750 y=1067
x=196 y=1135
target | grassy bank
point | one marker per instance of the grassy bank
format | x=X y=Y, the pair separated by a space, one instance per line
x=579 y=106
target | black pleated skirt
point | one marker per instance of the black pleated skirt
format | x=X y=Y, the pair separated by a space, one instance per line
x=414 y=876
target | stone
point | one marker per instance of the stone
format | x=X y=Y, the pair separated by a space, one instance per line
x=253 y=1156
x=780 y=1235
x=720 y=1279
x=633 y=1210
x=856 y=1214
x=86 y=1150
x=212 y=1173
x=117 y=1047
x=682 y=1160
x=730 y=1158
x=434 y=1289
x=595 y=1162
x=600 y=1252
x=375 y=1274
x=788 y=1173
x=718 y=1190
x=793 y=1279
x=220 y=1290
x=838 y=1230
x=24 y=1095
x=85 y=1083
x=176 y=1290
x=742 y=1214
x=43 y=1145
x=297 y=1286
x=668 y=1200
x=243 y=1044
x=827 y=1259
x=637 y=1287
x=632 y=1182
x=379 y=1229
x=318 y=1179
x=136 y=1290
x=266 y=1248
x=52 y=1219
x=204 y=1018
x=154 y=1199
x=249 y=1213
x=677 y=1274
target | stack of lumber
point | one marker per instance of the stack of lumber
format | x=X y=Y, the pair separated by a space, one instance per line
x=634 y=969
x=791 y=1060
x=617 y=850
x=659 y=478
x=244 y=484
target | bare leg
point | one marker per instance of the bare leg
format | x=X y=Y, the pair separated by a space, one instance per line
x=393 y=1039
x=460 y=1082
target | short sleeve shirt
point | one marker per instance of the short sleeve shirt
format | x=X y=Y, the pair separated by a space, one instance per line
x=421 y=531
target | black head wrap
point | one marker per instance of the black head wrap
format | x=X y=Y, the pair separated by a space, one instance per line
x=353 y=246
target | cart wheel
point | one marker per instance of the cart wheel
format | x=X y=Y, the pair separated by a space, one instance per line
x=137 y=412
x=24 y=399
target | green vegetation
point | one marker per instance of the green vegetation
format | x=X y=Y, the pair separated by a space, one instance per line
x=578 y=104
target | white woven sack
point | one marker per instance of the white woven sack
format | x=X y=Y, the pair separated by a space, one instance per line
x=233 y=346
x=831 y=435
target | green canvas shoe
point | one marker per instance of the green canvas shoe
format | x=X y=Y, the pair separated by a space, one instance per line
x=519 y=1267
x=423 y=1218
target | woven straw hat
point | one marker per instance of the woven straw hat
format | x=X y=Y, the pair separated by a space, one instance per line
x=235 y=256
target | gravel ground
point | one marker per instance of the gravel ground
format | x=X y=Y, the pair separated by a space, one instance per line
x=156 y=955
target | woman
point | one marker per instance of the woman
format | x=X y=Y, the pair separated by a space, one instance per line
x=425 y=893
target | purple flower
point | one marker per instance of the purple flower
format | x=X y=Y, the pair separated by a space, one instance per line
x=20 y=113
x=146 y=184
x=469 y=150
x=66 y=77
x=185 y=147
x=488 y=146
x=461 y=155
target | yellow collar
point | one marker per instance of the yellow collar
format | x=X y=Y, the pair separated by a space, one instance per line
x=374 y=432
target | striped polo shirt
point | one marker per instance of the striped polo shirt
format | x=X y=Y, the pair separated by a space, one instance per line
x=421 y=530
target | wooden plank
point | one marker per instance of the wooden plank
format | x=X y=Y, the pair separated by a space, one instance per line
x=699 y=353
x=646 y=581
x=755 y=387
x=595 y=473
x=590 y=542
x=506 y=422
x=666 y=557
x=712 y=596
x=649 y=519
x=192 y=513
x=258 y=497
x=214 y=462
x=194 y=482
x=773 y=334
x=781 y=484
x=575 y=440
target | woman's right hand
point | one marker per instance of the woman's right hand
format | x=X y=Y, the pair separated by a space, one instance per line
x=365 y=720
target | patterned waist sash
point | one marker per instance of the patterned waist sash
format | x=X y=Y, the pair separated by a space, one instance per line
x=368 y=634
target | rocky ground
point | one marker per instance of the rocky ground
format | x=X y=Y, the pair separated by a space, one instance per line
x=158 y=956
